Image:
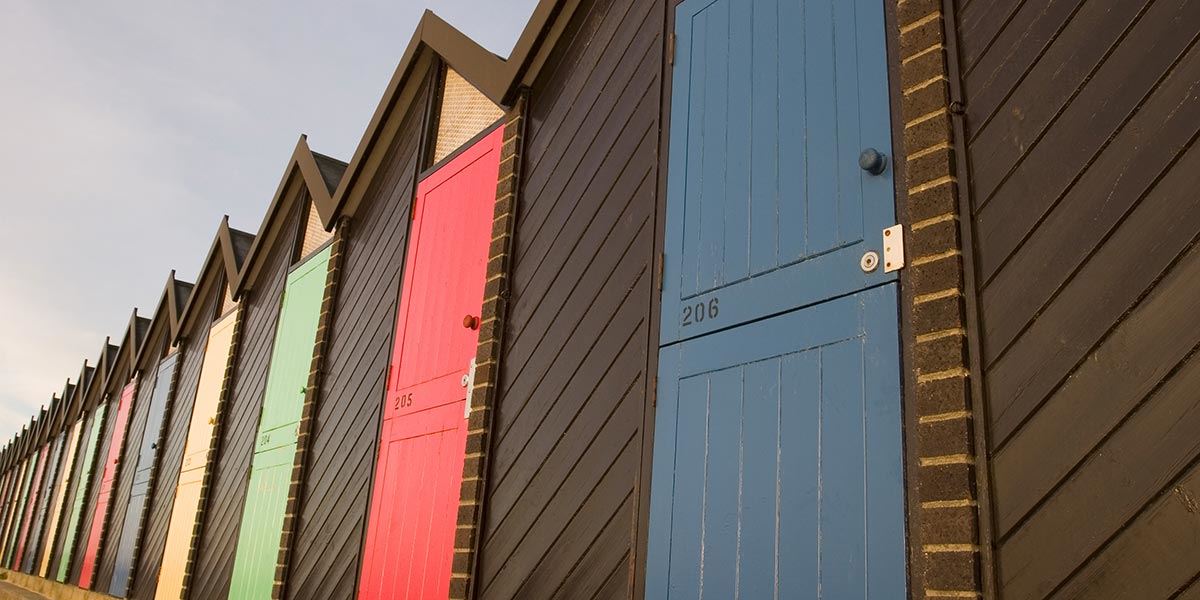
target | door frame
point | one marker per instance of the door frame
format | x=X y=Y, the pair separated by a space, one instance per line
x=637 y=587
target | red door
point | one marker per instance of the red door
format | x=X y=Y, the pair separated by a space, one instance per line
x=414 y=504
x=88 y=570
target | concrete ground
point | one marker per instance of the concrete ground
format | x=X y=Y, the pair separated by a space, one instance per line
x=9 y=591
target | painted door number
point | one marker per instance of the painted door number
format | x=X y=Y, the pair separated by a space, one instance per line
x=698 y=312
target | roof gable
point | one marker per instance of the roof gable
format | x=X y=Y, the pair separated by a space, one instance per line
x=304 y=172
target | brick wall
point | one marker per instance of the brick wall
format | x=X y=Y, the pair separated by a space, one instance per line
x=487 y=357
x=943 y=479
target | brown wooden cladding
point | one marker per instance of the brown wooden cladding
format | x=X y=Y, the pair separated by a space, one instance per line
x=560 y=510
x=158 y=515
x=1082 y=120
x=122 y=488
x=88 y=514
x=328 y=543
x=223 y=514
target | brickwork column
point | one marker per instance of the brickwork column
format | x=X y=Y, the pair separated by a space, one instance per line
x=487 y=357
x=308 y=413
x=943 y=480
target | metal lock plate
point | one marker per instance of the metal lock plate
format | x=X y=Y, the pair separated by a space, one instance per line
x=468 y=381
x=893 y=248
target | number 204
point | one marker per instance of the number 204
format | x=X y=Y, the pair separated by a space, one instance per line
x=698 y=312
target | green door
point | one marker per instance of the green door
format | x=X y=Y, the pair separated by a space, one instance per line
x=275 y=447
x=89 y=454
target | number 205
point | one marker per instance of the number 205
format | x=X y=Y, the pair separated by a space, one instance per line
x=698 y=312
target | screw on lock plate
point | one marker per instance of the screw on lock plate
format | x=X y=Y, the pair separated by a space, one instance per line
x=869 y=262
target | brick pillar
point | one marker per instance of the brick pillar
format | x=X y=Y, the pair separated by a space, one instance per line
x=487 y=357
x=291 y=515
x=160 y=444
x=214 y=447
x=943 y=480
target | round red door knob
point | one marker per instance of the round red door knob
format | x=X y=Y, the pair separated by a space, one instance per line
x=471 y=322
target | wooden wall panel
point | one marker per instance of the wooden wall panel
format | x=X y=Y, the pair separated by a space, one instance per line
x=328 y=547
x=154 y=532
x=560 y=510
x=124 y=484
x=223 y=515
x=61 y=539
x=87 y=516
x=1082 y=120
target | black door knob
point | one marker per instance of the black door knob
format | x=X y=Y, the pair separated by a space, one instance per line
x=872 y=161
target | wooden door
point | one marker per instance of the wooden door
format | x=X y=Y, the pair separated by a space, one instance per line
x=13 y=519
x=414 y=501
x=275 y=448
x=147 y=456
x=194 y=467
x=777 y=466
x=81 y=490
x=37 y=529
x=107 y=480
x=768 y=210
x=25 y=516
x=60 y=495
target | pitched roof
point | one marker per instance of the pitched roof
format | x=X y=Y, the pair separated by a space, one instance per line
x=224 y=261
x=497 y=78
x=303 y=170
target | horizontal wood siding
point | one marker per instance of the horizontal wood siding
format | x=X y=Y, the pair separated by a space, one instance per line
x=170 y=456
x=328 y=547
x=88 y=514
x=559 y=514
x=124 y=484
x=223 y=515
x=1082 y=120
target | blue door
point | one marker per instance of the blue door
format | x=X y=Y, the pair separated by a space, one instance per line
x=777 y=467
x=139 y=496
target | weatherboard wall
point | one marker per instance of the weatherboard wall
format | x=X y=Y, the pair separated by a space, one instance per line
x=328 y=542
x=223 y=514
x=124 y=482
x=1081 y=125
x=158 y=511
x=561 y=502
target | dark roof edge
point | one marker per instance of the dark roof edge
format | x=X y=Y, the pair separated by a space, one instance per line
x=304 y=165
x=497 y=78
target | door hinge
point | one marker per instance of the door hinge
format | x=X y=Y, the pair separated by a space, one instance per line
x=893 y=248
x=662 y=259
x=671 y=49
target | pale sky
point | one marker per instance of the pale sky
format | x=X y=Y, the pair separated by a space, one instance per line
x=129 y=128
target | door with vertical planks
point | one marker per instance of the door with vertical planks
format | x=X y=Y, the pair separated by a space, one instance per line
x=275 y=448
x=81 y=490
x=777 y=459
x=31 y=502
x=195 y=459
x=107 y=480
x=414 y=503
x=60 y=495
x=37 y=529
x=147 y=457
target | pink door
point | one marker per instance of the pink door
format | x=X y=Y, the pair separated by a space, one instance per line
x=88 y=572
x=414 y=504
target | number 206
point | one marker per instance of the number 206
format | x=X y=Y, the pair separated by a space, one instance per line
x=696 y=313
